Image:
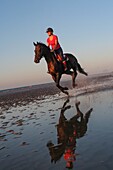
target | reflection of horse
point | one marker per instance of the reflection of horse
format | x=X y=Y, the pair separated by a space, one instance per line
x=68 y=131
x=55 y=67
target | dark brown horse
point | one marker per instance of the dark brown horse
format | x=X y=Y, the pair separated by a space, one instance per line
x=55 y=67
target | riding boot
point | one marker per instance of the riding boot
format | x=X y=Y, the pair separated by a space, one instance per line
x=65 y=65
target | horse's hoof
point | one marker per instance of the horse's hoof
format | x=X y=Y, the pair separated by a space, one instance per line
x=66 y=92
x=48 y=72
x=74 y=85
x=65 y=88
x=86 y=74
x=77 y=103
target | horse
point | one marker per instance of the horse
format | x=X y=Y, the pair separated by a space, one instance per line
x=55 y=67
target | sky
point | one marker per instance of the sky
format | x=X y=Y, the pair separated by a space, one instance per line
x=84 y=28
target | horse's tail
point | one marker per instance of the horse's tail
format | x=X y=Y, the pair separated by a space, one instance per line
x=80 y=69
x=74 y=63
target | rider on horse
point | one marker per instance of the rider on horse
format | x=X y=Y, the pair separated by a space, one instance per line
x=52 y=41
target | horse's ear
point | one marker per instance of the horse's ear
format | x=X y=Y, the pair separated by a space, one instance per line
x=34 y=44
x=37 y=42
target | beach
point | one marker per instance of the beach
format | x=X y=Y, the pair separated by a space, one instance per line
x=31 y=133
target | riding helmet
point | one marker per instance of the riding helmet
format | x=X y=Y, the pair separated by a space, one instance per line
x=49 y=30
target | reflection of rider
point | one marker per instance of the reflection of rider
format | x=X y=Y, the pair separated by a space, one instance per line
x=69 y=154
x=52 y=41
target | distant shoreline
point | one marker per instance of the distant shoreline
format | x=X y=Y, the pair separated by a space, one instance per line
x=28 y=94
x=27 y=87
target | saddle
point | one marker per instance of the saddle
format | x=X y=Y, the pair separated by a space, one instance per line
x=58 y=57
x=64 y=62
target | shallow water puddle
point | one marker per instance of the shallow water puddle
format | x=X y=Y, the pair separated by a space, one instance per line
x=51 y=135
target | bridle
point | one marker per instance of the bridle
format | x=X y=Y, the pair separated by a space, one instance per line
x=38 y=54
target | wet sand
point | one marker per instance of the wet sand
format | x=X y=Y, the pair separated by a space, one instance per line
x=31 y=132
x=25 y=95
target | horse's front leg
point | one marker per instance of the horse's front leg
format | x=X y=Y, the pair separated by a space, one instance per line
x=57 y=81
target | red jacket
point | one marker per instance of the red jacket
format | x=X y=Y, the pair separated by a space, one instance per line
x=52 y=42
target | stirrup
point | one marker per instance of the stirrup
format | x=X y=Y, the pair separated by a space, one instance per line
x=65 y=65
x=65 y=69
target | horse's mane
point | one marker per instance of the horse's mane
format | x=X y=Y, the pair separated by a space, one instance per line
x=53 y=56
x=42 y=44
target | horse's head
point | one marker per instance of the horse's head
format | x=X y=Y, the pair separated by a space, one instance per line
x=38 y=52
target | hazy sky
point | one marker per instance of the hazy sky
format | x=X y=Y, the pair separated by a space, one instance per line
x=84 y=28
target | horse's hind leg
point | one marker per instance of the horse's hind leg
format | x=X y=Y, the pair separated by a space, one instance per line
x=74 y=75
